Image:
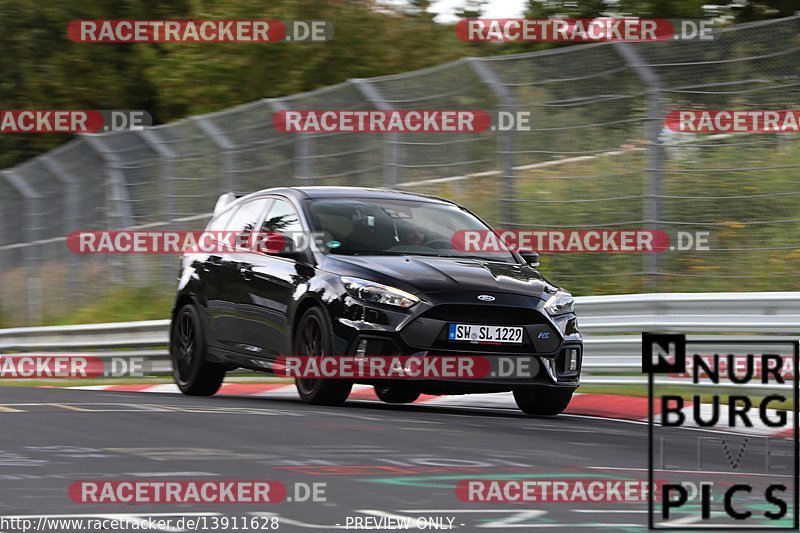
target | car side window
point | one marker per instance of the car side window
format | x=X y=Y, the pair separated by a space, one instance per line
x=281 y=217
x=221 y=222
x=248 y=215
x=246 y=219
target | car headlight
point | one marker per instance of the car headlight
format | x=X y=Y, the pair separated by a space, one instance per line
x=372 y=292
x=559 y=303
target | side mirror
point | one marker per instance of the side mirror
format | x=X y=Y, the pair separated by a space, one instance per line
x=287 y=247
x=289 y=250
x=277 y=244
x=530 y=257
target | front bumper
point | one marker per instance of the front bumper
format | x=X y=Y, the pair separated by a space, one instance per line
x=553 y=344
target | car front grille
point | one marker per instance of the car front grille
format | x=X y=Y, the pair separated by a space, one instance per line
x=490 y=314
x=430 y=329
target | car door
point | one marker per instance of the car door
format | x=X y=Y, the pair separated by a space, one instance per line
x=271 y=284
x=232 y=285
x=210 y=269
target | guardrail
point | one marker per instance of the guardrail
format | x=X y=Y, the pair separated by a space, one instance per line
x=611 y=325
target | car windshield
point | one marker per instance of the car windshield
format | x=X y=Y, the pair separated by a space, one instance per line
x=396 y=227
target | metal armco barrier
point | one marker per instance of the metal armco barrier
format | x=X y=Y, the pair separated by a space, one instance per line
x=611 y=325
x=594 y=154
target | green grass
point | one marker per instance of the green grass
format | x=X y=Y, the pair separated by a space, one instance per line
x=120 y=305
x=750 y=216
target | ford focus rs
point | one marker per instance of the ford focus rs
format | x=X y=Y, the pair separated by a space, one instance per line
x=385 y=279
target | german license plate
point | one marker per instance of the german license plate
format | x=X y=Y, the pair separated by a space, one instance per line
x=475 y=333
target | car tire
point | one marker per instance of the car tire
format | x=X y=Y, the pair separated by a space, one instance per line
x=313 y=338
x=194 y=375
x=396 y=394
x=543 y=401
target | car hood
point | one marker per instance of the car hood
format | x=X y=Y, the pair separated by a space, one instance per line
x=432 y=274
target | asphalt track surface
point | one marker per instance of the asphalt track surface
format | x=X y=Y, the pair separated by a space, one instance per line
x=377 y=461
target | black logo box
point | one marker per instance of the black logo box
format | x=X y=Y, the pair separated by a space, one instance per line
x=667 y=340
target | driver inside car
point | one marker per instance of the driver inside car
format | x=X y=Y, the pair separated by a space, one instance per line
x=409 y=234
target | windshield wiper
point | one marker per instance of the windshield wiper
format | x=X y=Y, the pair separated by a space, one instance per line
x=365 y=252
x=397 y=253
x=466 y=256
x=479 y=257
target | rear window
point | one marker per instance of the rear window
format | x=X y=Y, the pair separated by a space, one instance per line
x=248 y=215
x=221 y=222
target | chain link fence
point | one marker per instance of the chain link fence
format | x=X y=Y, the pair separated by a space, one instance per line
x=596 y=156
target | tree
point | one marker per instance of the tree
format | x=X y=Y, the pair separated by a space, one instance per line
x=42 y=69
x=471 y=9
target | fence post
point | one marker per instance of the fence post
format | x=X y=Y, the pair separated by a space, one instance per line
x=655 y=170
x=117 y=203
x=227 y=150
x=302 y=146
x=391 y=142
x=71 y=198
x=31 y=229
x=166 y=163
x=71 y=201
x=505 y=142
x=3 y=252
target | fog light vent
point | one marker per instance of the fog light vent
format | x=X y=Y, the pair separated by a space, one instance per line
x=572 y=354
